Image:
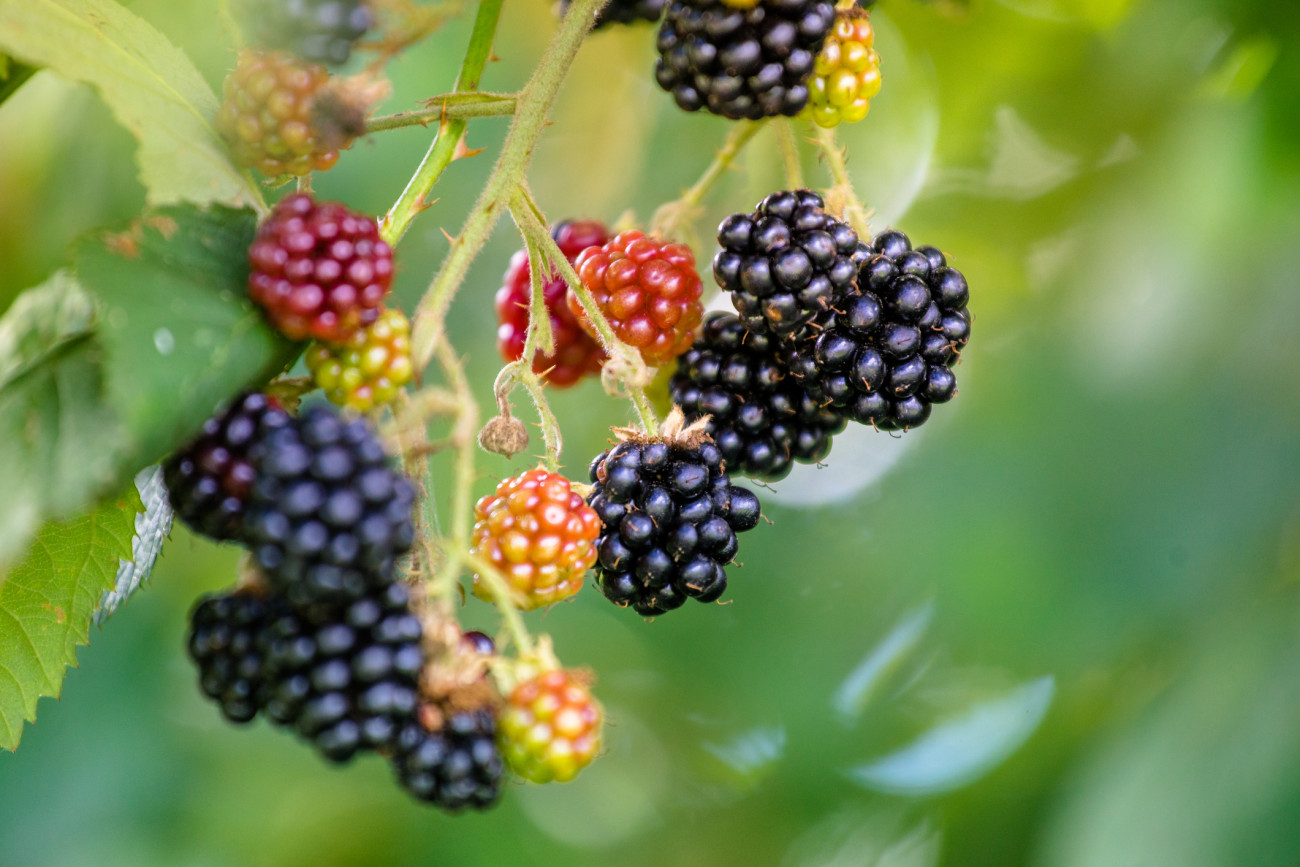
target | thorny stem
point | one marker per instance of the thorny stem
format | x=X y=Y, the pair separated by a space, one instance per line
x=447 y=106
x=442 y=151
x=531 y=109
x=842 y=193
x=533 y=225
x=790 y=154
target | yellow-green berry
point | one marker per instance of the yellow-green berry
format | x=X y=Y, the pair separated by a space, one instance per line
x=370 y=368
x=846 y=74
x=550 y=728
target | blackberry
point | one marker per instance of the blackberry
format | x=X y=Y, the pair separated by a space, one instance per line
x=452 y=765
x=623 y=11
x=349 y=683
x=760 y=417
x=885 y=354
x=210 y=479
x=327 y=517
x=318 y=269
x=741 y=63
x=223 y=644
x=670 y=517
x=786 y=262
x=322 y=31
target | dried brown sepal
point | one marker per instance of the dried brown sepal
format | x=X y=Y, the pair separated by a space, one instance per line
x=673 y=431
x=340 y=110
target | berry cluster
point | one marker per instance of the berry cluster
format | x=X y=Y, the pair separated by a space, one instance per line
x=648 y=291
x=741 y=62
x=576 y=353
x=369 y=368
x=551 y=727
x=323 y=640
x=670 y=516
x=846 y=74
x=539 y=534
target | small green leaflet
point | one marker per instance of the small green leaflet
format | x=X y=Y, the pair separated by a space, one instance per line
x=46 y=603
x=150 y=85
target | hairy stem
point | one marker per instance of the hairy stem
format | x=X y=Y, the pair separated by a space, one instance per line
x=447 y=106
x=790 y=154
x=442 y=151
x=531 y=109
x=504 y=598
x=842 y=193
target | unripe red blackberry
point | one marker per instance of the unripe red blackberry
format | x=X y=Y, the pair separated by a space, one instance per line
x=760 y=417
x=319 y=270
x=786 y=262
x=741 y=63
x=453 y=764
x=885 y=354
x=270 y=118
x=348 y=683
x=623 y=11
x=540 y=535
x=550 y=727
x=209 y=480
x=323 y=31
x=327 y=517
x=846 y=74
x=576 y=352
x=223 y=642
x=648 y=290
x=370 y=368
x=669 y=518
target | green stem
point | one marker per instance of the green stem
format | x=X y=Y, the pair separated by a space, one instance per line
x=463 y=438
x=853 y=210
x=531 y=109
x=504 y=597
x=443 y=149
x=735 y=142
x=790 y=154
x=448 y=106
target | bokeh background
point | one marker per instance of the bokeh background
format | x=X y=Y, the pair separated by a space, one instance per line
x=1059 y=625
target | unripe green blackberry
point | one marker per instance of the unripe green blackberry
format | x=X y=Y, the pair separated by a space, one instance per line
x=370 y=368
x=550 y=726
x=846 y=74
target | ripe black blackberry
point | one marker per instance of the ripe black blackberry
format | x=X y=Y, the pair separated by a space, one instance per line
x=209 y=480
x=786 y=262
x=327 y=518
x=741 y=63
x=223 y=642
x=761 y=418
x=322 y=31
x=347 y=684
x=623 y=11
x=670 y=517
x=453 y=765
x=885 y=354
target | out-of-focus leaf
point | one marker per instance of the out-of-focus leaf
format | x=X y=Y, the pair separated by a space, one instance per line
x=180 y=335
x=46 y=602
x=13 y=76
x=884 y=659
x=960 y=751
x=151 y=86
x=152 y=526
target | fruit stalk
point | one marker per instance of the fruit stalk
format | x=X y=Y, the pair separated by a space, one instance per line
x=843 y=194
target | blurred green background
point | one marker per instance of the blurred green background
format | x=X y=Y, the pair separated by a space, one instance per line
x=1059 y=625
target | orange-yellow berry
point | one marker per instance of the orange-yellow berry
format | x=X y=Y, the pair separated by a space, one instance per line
x=268 y=118
x=846 y=74
x=539 y=533
x=550 y=727
x=370 y=368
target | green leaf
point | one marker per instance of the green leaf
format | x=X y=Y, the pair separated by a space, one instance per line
x=13 y=76
x=46 y=603
x=90 y=393
x=181 y=335
x=150 y=85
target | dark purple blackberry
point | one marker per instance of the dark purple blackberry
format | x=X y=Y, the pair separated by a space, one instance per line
x=349 y=684
x=623 y=12
x=885 y=354
x=210 y=479
x=741 y=63
x=786 y=262
x=223 y=644
x=454 y=767
x=327 y=517
x=322 y=31
x=761 y=418
x=670 y=517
